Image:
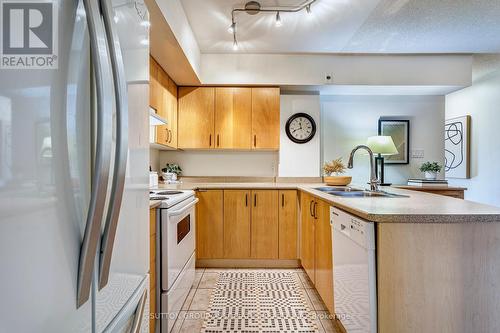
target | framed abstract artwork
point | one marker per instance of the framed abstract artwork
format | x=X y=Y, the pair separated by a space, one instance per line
x=457 y=147
x=399 y=130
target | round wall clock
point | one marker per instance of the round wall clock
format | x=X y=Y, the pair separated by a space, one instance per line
x=300 y=128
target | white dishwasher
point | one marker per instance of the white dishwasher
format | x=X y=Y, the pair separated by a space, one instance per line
x=354 y=274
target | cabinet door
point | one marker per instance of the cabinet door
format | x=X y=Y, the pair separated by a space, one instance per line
x=323 y=254
x=288 y=224
x=233 y=118
x=152 y=269
x=154 y=86
x=172 y=117
x=264 y=236
x=237 y=224
x=162 y=131
x=209 y=225
x=307 y=246
x=196 y=117
x=265 y=118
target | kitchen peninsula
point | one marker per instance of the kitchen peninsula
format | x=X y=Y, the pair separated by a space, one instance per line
x=437 y=257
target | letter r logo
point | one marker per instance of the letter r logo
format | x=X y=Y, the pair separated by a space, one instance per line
x=27 y=27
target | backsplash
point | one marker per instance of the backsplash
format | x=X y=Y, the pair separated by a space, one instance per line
x=223 y=163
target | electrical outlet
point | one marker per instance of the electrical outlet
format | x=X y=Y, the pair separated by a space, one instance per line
x=417 y=153
x=328 y=78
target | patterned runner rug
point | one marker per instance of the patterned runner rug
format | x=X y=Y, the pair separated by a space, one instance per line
x=258 y=301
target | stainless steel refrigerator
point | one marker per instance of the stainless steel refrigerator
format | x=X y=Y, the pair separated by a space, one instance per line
x=74 y=156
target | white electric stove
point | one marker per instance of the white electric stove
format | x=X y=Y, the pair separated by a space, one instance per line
x=176 y=249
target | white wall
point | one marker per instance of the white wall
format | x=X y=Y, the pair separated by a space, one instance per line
x=223 y=163
x=299 y=160
x=481 y=101
x=349 y=120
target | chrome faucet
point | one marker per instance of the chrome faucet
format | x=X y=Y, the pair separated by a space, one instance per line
x=373 y=176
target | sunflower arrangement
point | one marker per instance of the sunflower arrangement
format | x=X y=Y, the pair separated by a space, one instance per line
x=336 y=167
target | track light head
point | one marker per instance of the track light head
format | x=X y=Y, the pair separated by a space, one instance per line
x=278 y=20
x=308 y=9
x=232 y=28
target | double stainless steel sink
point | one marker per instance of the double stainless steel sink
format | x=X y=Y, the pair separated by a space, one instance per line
x=350 y=192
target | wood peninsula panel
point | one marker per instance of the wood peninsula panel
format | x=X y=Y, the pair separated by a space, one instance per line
x=196 y=117
x=237 y=224
x=288 y=224
x=438 y=277
x=266 y=118
x=323 y=254
x=264 y=236
x=209 y=224
x=307 y=235
x=233 y=118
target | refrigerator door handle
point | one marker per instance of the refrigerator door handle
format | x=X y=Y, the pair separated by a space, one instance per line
x=121 y=151
x=100 y=168
x=139 y=313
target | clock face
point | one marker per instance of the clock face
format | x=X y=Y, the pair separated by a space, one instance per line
x=300 y=128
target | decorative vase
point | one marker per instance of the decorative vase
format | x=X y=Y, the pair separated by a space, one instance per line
x=337 y=180
x=174 y=176
x=430 y=175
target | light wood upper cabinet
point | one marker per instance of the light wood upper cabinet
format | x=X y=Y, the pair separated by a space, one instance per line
x=172 y=116
x=163 y=98
x=237 y=224
x=196 y=117
x=264 y=224
x=209 y=224
x=288 y=224
x=323 y=254
x=233 y=118
x=307 y=236
x=265 y=118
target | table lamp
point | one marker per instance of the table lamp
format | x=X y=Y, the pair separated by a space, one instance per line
x=383 y=146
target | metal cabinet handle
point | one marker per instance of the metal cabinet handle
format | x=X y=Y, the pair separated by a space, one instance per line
x=282 y=200
x=315 y=210
x=170 y=136
x=217 y=140
x=310 y=208
x=210 y=141
x=100 y=169
x=139 y=313
x=121 y=150
x=246 y=199
x=255 y=140
x=255 y=199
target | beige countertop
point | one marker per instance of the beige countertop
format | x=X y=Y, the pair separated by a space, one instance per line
x=418 y=207
x=154 y=203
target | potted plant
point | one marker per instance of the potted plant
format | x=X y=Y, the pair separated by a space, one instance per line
x=431 y=170
x=337 y=168
x=171 y=171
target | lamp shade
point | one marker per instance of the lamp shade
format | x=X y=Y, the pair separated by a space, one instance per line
x=383 y=145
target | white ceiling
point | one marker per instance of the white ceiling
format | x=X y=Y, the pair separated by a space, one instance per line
x=352 y=26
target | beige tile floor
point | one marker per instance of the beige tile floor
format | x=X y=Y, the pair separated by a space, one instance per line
x=192 y=315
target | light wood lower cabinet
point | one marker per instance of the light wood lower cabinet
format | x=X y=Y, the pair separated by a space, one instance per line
x=287 y=224
x=316 y=246
x=264 y=224
x=323 y=254
x=237 y=224
x=210 y=224
x=246 y=224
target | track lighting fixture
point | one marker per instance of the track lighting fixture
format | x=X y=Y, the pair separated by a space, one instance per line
x=254 y=8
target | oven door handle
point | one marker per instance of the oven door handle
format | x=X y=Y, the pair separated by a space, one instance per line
x=183 y=209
